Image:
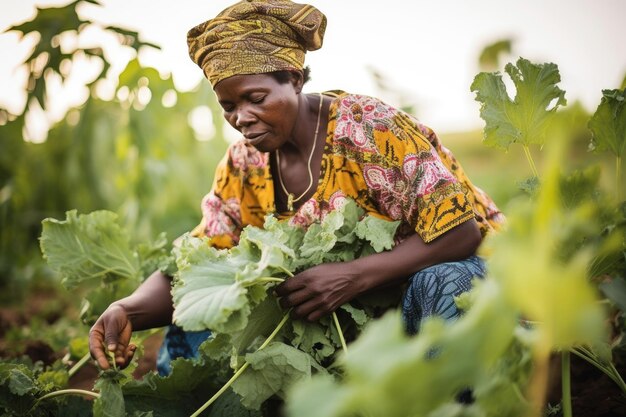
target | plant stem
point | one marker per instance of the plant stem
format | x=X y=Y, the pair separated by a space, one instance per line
x=240 y=370
x=69 y=392
x=78 y=365
x=343 y=340
x=267 y=279
x=529 y=157
x=609 y=370
x=566 y=391
x=618 y=174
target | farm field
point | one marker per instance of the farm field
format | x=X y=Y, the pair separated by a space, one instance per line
x=83 y=221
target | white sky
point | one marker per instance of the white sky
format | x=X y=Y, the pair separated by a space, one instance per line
x=428 y=50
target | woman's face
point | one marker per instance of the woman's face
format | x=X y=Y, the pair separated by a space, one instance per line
x=261 y=108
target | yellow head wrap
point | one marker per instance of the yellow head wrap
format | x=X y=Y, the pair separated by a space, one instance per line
x=256 y=36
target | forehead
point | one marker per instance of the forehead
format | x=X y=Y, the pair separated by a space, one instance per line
x=239 y=85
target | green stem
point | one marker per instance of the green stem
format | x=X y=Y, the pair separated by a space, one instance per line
x=69 y=392
x=343 y=340
x=267 y=279
x=240 y=370
x=78 y=365
x=529 y=157
x=566 y=390
x=609 y=371
x=618 y=174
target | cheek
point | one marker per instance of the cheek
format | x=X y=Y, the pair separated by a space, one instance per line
x=230 y=119
x=287 y=113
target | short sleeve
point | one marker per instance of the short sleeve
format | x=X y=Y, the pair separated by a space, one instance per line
x=221 y=213
x=411 y=181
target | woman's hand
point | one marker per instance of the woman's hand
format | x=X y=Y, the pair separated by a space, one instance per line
x=319 y=291
x=112 y=332
x=148 y=307
x=322 y=289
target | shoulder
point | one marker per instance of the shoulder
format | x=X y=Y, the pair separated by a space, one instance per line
x=372 y=124
x=358 y=118
x=359 y=104
x=244 y=157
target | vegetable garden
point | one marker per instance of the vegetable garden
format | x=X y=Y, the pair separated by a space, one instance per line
x=541 y=335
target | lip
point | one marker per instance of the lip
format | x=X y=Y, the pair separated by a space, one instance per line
x=254 y=138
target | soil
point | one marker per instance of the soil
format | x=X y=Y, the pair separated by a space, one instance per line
x=47 y=305
x=593 y=393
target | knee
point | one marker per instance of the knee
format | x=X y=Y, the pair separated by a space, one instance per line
x=452 y=278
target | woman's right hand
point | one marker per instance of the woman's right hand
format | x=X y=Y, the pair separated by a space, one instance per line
x=111 y=333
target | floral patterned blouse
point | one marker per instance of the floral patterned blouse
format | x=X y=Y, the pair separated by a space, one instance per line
x=393 y=166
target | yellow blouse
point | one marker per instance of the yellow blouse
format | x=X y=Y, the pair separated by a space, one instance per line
x=393 y=166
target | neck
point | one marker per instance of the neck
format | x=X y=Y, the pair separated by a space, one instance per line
x=299 y=145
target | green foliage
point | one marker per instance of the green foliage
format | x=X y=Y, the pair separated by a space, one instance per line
x=186 y=388
x=564 y=247
x=216 y=289
x=272 y=370
x=388 y=373
x=122 y=155
x=48 y=56
x=525 y=119
x=539 y=269
x=88 y=247
x=489 y=58
x=111 y=400
x=227 y=291
x=22 y=384
x=92 y=251
x=608 y=123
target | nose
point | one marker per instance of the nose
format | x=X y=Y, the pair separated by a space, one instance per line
x=244 y=118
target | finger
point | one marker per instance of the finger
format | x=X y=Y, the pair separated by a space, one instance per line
x=112 y=331
x=123 y=344
x=96 y=349
x=289 y=286
x=294 y=299
x=123 y=362
x=310 y=310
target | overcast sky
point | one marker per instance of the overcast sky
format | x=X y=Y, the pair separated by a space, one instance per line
x=426 y=49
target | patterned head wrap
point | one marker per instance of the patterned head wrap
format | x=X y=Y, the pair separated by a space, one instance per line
x=256 y=36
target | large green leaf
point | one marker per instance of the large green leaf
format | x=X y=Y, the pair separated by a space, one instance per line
x=207 y=296
x=111 y=400
x=524 y=119
x=217 y=289
x=88 y=247
x=271 y=371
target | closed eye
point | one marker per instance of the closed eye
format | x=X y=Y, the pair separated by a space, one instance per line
x=227 y=107
x=257 y=99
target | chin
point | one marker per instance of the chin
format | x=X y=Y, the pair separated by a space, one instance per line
x=266 y=146
x=262 y=147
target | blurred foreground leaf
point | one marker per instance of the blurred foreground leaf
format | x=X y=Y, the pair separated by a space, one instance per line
x=608 y=123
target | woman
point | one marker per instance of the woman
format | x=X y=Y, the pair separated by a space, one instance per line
x=300 y=157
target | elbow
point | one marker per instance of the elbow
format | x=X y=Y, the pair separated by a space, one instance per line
x=473 y=238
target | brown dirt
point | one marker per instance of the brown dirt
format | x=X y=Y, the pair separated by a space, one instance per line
x=593 y=393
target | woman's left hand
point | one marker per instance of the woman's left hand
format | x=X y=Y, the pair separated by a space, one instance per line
x=319 y=291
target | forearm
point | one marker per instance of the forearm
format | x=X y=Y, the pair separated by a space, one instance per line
x=151 y=304
x=413 y=254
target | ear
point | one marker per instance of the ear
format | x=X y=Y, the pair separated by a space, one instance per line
x=297 y=80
